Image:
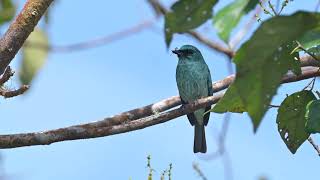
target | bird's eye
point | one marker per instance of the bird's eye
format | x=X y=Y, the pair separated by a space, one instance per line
x=188 y=52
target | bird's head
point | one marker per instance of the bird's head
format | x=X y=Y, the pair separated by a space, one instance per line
x=188 y=52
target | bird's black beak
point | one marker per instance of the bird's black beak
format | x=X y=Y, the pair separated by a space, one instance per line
x=177 y=52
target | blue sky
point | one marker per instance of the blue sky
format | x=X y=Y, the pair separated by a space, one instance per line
x=89 y=85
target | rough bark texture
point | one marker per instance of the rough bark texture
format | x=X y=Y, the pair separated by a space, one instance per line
x=20 y=29
x=131 y=120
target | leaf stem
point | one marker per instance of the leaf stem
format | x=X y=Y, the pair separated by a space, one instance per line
x=272 y=8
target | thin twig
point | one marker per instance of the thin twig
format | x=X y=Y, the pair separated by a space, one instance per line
x=6 y=75
x=317 y=6
x=196 y=168
x=306 y=51
x=310 y=84
x=272 y=8
x=213 y=45
x=316 y=147
x=96 y=42
x=273 y=106
x=284 y=4
x=12 y=93
x=261 y=3
x=228 y=172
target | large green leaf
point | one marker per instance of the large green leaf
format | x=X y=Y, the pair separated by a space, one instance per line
x=34 y=54
x=313 y=117
x=291 y=119
x=186 y=15
x=7 y=11
x=228 y=17
x=265 y=58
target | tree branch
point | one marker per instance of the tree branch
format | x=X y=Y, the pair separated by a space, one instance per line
x=12 y=93
x=95 y=42
x=316 y=147
x=8 y=73
x=20 y=29
x=6 y=76
x=132 y=120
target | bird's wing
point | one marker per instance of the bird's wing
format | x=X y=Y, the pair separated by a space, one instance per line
x=191 y=116
x=210 y=93
x=210 y=89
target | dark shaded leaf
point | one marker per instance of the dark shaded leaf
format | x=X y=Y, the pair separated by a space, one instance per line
x=313 y=117
x=187 y=15
x=291 y=119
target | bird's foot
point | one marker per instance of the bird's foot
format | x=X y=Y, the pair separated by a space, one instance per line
x=183 y=106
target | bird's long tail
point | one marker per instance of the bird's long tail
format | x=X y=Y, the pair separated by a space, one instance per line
x=199 y=139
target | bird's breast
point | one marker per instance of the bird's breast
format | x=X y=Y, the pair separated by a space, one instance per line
x=191 y=81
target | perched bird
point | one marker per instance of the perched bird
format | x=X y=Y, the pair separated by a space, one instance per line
x=194 y=82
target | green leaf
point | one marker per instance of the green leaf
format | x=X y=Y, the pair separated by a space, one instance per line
x=228 y=17
x=252 y=4
x=7 y=11
x=34 y=55
x=231 y=102
x=313 y=117
x=296 y=69
x=187 y=15
x=310 y=39
x=315 y=51
x=291 y=119
x=265 y=58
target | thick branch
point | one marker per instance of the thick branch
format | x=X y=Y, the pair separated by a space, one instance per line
x=125 y=122
x=20 y=29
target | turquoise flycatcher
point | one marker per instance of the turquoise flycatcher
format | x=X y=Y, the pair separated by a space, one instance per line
x=194 y=82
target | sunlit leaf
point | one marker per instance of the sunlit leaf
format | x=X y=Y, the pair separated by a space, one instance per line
x=34 y=55
x=313 y=117
x=231 y=102
x=228 y=17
